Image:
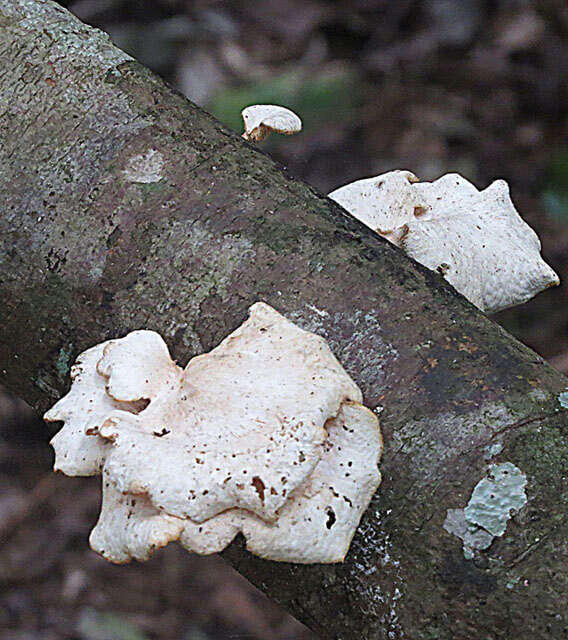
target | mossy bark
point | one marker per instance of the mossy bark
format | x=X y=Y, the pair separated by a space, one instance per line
x=123 y=206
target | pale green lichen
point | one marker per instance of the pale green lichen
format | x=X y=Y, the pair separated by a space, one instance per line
x=473 y=536
x=492 y=450
x=563 y=399
x=63 y=363
x=495 y=499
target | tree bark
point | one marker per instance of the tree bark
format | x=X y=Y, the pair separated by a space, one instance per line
x=124 y=206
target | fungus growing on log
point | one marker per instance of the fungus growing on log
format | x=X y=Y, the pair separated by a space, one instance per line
x=83 y=410
x=260 y=120
x=264 y=435
x=475 y=239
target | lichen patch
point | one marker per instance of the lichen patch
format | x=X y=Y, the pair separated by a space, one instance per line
x=563 y=399
x=494 y=501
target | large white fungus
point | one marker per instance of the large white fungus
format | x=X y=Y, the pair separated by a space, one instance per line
x=475 y=239
x=264 y=435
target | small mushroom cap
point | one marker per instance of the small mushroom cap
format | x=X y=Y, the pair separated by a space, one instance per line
x=245 y=429
x=475 y=239
x=262 y=119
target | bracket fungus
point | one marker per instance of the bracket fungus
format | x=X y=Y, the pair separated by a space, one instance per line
x=265 y=435
x=260 y=120
x=475 y=239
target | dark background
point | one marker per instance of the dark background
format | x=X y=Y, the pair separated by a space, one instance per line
x=478 y=87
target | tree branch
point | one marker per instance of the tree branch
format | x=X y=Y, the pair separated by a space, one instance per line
x=122 y=206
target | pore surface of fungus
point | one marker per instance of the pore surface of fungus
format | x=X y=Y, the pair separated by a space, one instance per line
x=475 y=239
x=264 y=435
x=260 y=120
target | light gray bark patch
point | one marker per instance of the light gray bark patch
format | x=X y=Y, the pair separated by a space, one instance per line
x=428 y=439
x=368 y=366
x=145 y=167
x=494 y=501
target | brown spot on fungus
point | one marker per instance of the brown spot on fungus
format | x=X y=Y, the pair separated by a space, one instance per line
x=258 y=484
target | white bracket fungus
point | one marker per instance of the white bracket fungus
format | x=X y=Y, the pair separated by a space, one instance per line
x=264 y=435
x=260 y=120
x=475 y=239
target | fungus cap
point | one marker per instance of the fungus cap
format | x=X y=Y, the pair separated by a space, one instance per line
x=130 y=527
x=319 y=521
x=264 y=435
x=475 y=239
x=260 y=120
x=483 y=247
x=117 y=375
x=381 y=202
x=154 y=367
x=244 y=428
x=316 y=524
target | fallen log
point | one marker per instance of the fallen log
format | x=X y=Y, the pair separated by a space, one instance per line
x=124 y=206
